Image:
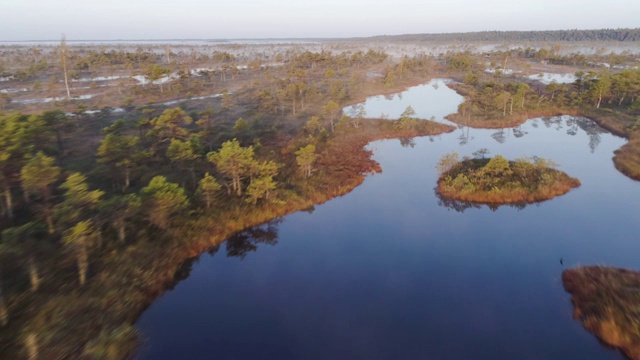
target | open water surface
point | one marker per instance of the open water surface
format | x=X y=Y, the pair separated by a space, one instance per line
x=392 y=271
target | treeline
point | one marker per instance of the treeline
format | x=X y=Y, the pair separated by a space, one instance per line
x=621 y=35
x=497 y=100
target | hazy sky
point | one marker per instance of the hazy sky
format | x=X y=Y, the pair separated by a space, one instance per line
x=214 y=19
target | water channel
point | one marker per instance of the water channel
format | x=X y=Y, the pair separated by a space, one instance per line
x=392 y=271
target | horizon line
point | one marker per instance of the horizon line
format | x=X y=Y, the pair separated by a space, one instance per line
x=313 y=38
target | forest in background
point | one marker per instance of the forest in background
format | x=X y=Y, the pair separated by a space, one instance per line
x=619 y=35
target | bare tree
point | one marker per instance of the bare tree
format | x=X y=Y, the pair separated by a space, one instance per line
x=63 y=62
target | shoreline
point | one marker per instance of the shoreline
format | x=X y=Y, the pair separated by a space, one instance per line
x=604 y=305
x=626 y=159
x=130 y=290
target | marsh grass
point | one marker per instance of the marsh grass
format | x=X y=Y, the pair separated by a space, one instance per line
x=607 y=302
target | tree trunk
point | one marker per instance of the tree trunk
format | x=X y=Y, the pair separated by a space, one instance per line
x=33 y=273
x=4 y=312
x=122 y=235
x=127 y=177
x=8 y=202
x=59 y=141
x=31 y=343
x=63 y=58
x=83 y=263
x=237 y=186
x=49 y=219
x=511 y=107
x=599 y=100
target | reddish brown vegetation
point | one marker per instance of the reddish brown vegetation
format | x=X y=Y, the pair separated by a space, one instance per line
x=605 y=300
x=510 y=120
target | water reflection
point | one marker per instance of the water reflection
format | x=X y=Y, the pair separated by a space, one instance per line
x=500 y=136
x=432 y=100
x=407 y=142
x=519 y=132
x=462 y=206
x=464 y=135
x=573 y=123
x=246 y=241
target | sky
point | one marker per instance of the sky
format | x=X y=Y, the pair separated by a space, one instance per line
x=242 y=19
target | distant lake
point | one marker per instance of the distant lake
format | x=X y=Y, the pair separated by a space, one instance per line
x=433 y=100
x=548 y=78
x=392 y=271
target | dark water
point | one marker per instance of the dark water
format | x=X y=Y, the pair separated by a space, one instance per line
x=388 y=271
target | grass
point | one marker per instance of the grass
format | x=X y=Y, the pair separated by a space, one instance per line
x=607 y=302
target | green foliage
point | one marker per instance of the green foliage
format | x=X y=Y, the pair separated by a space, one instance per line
x=208 y=187
x=119 y=211
x=500 y=180
x=471 y=78
x=234 y=162
x=241 y=126
x=22 y=243
x=181 y=151
x=121 y=152
x=260 y=188
x=313 y=126
x=497 y=167
x=461 y=61
x=330 y=112
x=17 y=135
x=305 y=157
x=78 y=201
x=38 y=174
x=163 y=201
x=80 y=238
x=170 y=124
x=390 y=79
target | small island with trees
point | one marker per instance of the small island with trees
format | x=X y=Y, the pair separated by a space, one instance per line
x=500 y=181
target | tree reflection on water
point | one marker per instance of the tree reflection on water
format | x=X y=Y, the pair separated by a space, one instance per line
x=238 y=245
x=461 y=206
x=246 y=241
